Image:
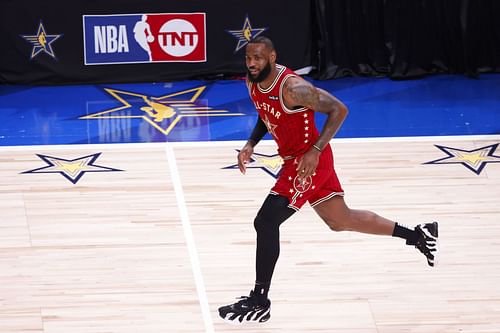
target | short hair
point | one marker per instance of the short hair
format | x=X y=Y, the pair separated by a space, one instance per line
x=262 y=40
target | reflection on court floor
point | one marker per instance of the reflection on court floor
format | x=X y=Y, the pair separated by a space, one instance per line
x=190 y=111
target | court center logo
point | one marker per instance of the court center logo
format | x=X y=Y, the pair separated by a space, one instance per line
x=144 y=38
x=71 y=169
x=475 y=159
x=164 y=112
x=245 y=34
x=42 y=42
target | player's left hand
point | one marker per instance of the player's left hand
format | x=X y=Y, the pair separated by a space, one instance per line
x=308 y=163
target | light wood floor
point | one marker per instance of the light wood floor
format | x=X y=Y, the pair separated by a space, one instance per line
x=159 y=246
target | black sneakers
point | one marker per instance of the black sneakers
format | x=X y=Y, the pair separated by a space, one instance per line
x=427 y=242
x=247 y=309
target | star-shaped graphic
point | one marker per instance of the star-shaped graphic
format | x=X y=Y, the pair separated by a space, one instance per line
x=270 y=127
x=245 y=34
x=474 y=160
x=72 y=170
x=271 y=164
x=302 y=185
x=162 y=112
x=41 y=42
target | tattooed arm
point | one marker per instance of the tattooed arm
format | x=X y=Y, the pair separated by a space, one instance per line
x=298 y=92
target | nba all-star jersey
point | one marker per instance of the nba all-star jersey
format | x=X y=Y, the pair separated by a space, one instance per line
x=294 y=132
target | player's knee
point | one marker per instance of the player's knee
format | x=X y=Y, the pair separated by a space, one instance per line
x=261 y=223
x=336 y=226
x=258 y=223
x=266 y=223
x=273 y=212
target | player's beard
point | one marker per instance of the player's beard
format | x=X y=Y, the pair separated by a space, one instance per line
x=262 y=75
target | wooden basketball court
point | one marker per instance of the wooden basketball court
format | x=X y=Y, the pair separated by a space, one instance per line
x=155 y=237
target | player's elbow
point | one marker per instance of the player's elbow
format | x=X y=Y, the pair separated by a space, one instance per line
x=342 y=111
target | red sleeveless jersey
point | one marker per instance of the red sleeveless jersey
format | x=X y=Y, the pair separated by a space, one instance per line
x=293 y=130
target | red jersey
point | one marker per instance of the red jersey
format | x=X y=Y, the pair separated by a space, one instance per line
x=293 y=130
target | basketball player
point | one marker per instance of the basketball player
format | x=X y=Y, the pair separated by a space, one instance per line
x=286 y=104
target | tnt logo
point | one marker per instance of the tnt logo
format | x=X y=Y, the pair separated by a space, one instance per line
x=142 y=38
x=178 y=38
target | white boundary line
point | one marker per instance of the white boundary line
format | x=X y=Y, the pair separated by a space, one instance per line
x=191 y=245
x=240 y=143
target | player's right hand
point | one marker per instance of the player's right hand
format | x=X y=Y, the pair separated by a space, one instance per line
x=244 y=157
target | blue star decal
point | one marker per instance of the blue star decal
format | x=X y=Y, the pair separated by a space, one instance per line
x=475 y=160
x=41 y=42
x=72 y=170
x=245 y=34
x=271 y=164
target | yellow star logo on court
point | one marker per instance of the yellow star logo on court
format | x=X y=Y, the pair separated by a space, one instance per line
x=161 y=112
x=73 y=169
x=474 y=160
x=271 y=164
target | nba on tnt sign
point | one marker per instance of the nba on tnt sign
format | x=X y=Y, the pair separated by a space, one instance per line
x=144 y=38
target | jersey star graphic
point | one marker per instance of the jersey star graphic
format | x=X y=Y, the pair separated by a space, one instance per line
x=271 y=164
x=474 y=160
x=245 y=34
x=72 y=170
x=41 y=42
x=161 y=112
x=270 y=126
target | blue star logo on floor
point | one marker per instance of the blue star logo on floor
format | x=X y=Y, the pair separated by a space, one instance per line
x=271 y=164
x=73 y=169
x=245 y=34
x=41 y=42
x=475 y=160
x=161 y=112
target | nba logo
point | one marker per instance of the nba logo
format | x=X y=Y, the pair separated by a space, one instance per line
x=144 y=38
